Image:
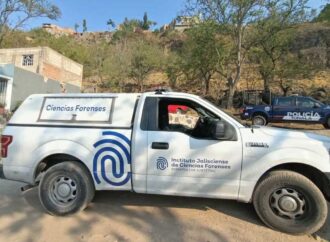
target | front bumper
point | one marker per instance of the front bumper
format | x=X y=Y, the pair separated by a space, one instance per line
x=2 y=176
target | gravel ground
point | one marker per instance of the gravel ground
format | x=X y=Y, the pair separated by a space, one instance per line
x=319 y=129
x=123 y=216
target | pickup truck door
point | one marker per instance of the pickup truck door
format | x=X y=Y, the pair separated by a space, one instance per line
x=183 y=159
x=283 y=108
x=310 y=110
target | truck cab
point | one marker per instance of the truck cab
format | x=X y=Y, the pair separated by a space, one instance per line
x=164 y=143
x=183 y=150
x=289 y=109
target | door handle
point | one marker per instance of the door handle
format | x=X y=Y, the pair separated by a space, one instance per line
x=160 y=146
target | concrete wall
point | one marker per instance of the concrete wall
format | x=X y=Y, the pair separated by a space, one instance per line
x=58 y=67
x=46 y=62
x=72 y=88
x=15 y=56
x=7 y=70
x=26 y=83
x=53 y=86
x=23 y=83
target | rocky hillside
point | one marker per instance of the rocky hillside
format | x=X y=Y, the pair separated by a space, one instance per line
x=95 y=52
x=313 y=43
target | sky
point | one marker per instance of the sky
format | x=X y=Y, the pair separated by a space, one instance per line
x=98 y=12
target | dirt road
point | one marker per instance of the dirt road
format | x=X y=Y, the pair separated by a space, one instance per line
x=122 y=216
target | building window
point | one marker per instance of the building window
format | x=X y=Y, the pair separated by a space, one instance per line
x=27 y=60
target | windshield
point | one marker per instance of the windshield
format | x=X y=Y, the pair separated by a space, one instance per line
x=320 y=103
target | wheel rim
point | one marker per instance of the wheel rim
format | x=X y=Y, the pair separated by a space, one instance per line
x=63 y=191
x=259 y=121
x=288 y=203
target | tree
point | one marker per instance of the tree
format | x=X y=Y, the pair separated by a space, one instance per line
x=129 y=27
x=172 y=68
x=95 y=65
x=144 y=58
x=235 y=17
x=146 y=23
x=111 y=24
x=274 y=36
x=200 y=58
x=238 y=19
x=116 y=65
x=289 y=69
x=76 y=27
x=131 y=24
x=84 y=25
x=14 y=14
x=125 y=30
x=268 y=56
x=324 y=15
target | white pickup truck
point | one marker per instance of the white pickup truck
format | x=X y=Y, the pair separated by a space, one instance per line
x=164 y=143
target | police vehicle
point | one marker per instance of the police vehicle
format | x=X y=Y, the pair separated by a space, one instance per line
x=74 y=144
x=288 y=109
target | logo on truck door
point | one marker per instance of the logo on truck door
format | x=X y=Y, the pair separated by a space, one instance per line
x=113 y=159
x=162 y=163
x=306 y=116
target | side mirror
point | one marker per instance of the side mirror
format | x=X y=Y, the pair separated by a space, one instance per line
x=219 y=130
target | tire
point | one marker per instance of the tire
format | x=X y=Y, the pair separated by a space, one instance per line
x=259 y=120
x=273 y=202
x=66 y=188
x=327 y=123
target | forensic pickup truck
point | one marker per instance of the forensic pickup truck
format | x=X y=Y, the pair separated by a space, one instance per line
x=72 y=145
x=288 y=109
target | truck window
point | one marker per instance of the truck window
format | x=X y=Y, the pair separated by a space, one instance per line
x=186 y=117
x=307 y=103
x=286 y=101
x=182 y=116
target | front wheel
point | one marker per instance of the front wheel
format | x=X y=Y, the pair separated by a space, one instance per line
x=290 y=202
x=66 y=188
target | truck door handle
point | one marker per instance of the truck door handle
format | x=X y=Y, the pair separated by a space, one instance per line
x=160 y=146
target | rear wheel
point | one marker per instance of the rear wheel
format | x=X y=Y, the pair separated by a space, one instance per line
x=290 y=202
x=66 y=188
x=259 y=120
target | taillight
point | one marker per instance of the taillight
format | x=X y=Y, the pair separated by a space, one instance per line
x=5 y=142
x=242 y=110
